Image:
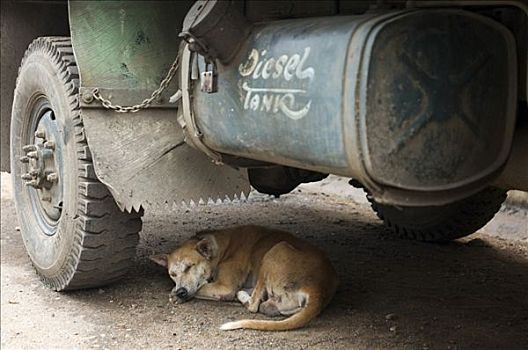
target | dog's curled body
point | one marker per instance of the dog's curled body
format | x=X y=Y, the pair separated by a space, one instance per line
x=287 y=275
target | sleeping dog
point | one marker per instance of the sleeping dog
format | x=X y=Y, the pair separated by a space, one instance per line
x=268 y=271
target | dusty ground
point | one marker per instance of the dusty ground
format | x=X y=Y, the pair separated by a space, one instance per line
x=394 y=294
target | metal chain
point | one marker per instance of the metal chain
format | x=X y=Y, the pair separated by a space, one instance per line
x=146 y=102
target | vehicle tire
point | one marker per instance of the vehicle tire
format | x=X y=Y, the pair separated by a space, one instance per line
x=442 y=223
x=74 y=233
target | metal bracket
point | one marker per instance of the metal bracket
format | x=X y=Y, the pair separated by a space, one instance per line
x=186 y=118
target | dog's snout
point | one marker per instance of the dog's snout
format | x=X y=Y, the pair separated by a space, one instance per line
x=182 y=293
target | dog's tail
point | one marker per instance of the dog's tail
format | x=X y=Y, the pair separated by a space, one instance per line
x=314 y=306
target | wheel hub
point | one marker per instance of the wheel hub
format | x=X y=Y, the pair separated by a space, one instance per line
x=43 y=174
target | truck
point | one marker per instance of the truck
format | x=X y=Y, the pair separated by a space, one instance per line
x=111 y=107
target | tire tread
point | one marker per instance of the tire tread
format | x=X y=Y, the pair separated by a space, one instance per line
x=105 y=237
x=462 y=219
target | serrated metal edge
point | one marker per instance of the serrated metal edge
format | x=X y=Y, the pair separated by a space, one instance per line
x=132 y=205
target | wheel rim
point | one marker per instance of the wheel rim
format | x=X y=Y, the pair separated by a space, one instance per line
x=43 y=164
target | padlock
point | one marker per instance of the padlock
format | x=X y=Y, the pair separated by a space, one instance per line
x=208 y=79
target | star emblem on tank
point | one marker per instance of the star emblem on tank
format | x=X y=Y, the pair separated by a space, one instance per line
x=445 y=96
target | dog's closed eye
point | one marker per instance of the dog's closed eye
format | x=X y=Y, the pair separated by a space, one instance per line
x=172 y=274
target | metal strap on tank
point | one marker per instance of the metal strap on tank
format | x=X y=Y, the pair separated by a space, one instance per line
x=186 y=117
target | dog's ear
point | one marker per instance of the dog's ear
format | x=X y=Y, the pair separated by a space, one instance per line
x=160 y=259
x=207 y=247
x=202 y=234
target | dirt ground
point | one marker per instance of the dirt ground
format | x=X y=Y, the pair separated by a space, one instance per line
x=393 y=294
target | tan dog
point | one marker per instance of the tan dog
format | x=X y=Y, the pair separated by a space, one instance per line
x=287 y=276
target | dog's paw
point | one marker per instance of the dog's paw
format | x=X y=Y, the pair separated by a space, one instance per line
x=243 y=297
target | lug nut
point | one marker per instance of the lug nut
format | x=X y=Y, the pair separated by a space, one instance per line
x=53 y=177
x=33 y=155
x=26 y=177
x=49 y=145
x=41 y=133
x=24 y=159
x=29 y=148
x=32 y=183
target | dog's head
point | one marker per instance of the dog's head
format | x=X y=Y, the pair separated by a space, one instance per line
x=190 y=266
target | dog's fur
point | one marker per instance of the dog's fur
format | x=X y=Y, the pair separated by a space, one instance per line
x=287 y=276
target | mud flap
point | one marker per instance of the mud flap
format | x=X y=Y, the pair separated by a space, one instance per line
x=143 y=160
